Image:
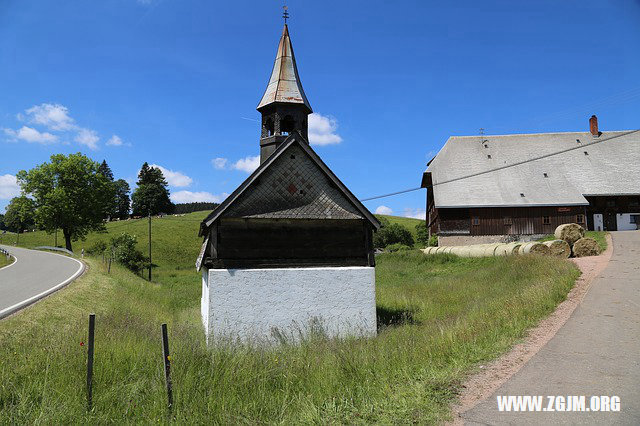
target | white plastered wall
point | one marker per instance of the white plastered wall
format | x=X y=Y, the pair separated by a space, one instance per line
x=262 y=304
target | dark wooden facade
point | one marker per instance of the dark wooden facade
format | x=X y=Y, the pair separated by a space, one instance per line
x=609 y=208
x=266 y=243
x=291 y=212
x=505 y=220
x=528 y=220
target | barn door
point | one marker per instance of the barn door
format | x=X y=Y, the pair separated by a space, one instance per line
x=598 y=224
x=610 y=223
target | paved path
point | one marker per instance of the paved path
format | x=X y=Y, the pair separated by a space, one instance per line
x=597 y=351
x=32 y=276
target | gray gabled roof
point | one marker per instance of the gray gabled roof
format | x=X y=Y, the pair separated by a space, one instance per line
x=284 y=85
x=463 y=175
x=318 y=204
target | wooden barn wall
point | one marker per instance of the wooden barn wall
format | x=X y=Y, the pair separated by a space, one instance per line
x=452 y=221
x=505 y=220
x=285 y=242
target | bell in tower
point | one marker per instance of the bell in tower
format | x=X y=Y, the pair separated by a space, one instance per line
x=284 y=106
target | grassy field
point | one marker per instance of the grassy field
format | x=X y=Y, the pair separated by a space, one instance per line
x=439 y=316
x=599 y=236
x=4 y=261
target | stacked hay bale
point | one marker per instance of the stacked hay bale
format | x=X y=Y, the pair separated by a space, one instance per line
x=586 y=247
x=559 y=248
x=569 y=241
x=569 y=232
x=573 y=235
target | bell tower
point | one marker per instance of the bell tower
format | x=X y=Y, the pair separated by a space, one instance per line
x=284 y=106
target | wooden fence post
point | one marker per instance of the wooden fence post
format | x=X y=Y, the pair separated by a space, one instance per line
x=167 y=365
x=92 y=327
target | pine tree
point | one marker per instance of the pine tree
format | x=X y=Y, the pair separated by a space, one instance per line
x=123 y=203
x=152 y=194
x=105 y=170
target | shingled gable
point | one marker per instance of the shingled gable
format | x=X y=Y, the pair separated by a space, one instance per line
x=276 y=190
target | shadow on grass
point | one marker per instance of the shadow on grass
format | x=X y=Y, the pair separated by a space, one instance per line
x=389 y=317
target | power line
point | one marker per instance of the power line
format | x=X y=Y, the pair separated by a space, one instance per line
x=519 y=163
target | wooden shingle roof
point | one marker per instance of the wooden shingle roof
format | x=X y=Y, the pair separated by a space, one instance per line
x=293 y=183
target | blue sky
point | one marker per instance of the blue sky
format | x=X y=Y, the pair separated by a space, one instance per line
x=176 y=83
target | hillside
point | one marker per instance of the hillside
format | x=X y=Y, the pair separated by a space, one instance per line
x=438 y=317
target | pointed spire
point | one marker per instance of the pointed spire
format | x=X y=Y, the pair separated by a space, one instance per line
x=284 y=85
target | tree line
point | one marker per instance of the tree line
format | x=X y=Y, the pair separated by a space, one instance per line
x=78 y=195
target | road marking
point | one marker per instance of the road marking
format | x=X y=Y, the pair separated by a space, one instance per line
x=20 y=305
x=15 y=260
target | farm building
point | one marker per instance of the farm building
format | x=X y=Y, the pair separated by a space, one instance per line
x=516 y=187
x=291 y=247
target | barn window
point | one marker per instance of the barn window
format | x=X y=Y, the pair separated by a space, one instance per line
x=475 y=220
x=507 y=220
x=634 y=218
x=580 y=218
x=546 y=220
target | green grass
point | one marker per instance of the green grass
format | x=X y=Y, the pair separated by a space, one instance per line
x=599 y=236
x=440 y=316
x=4 y=261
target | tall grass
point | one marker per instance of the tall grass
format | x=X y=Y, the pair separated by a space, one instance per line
x=438 y=316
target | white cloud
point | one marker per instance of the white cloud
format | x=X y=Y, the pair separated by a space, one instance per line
x=31 y=135
x=115 y=140
x=88 y=138
x=9 y=187
x=247 y=164
x=52 y=116
x=194 y=197
x=415 y=213
x=176 y=179
x=322 y=130
x=383 y=210
x=219 y=163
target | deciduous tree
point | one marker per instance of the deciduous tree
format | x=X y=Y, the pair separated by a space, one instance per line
x=70 y=193
x=20 y=214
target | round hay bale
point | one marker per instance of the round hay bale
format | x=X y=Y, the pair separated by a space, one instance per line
x=489 y=251
x=559 y=248
x=427 y=250
x=504 y=250
x=534 y=248
x=447 y=250
x=512 y=248
x=455 y=250
x=586 y=247
x=465 y=251
x=569 y=232
x=476 y=250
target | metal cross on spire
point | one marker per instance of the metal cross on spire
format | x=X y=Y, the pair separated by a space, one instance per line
x=285 y=13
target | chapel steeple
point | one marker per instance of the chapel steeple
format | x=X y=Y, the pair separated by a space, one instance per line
x=284 y=106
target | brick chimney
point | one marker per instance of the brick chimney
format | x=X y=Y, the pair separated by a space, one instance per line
x=593 y=126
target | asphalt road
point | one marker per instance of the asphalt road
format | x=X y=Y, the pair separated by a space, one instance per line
x=597 y=352
x=32 y=276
